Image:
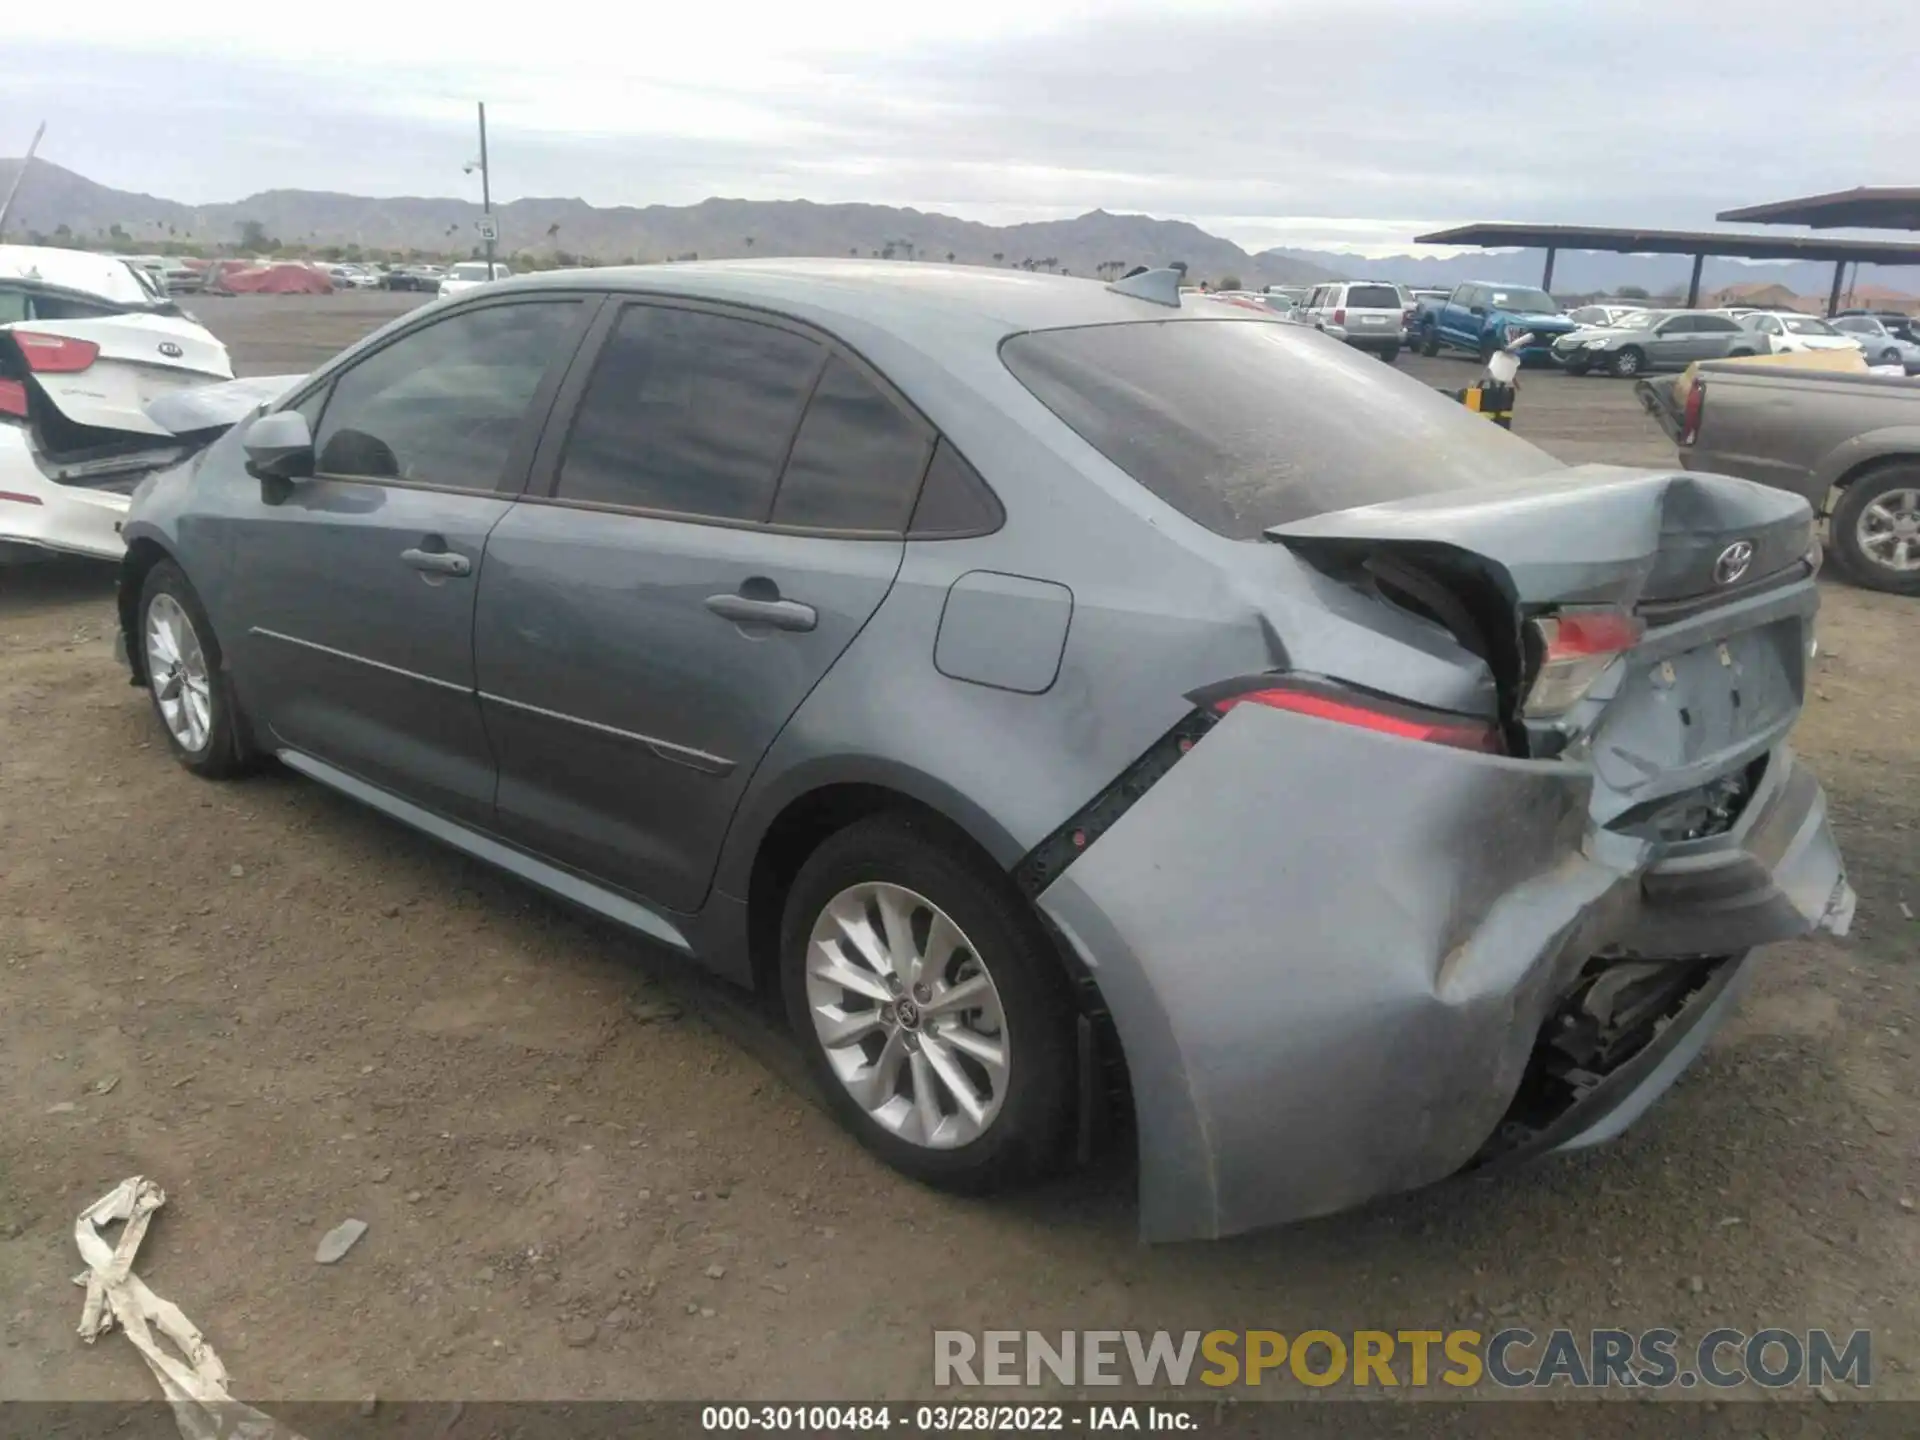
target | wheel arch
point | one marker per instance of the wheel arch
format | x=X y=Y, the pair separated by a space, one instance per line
x=143 y=553
x=765 y=851
x=810 y=814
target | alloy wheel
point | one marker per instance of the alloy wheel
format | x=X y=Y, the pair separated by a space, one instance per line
x=177 y=671
x=909 y=1019
x=1888 y=531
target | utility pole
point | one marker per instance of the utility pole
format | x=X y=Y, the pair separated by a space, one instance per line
x=19 y=175
x=487 y=232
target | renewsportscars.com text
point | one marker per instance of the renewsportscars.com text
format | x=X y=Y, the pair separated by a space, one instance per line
x=1513 y=1358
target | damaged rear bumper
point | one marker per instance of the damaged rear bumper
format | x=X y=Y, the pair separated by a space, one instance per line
x=1330 y=956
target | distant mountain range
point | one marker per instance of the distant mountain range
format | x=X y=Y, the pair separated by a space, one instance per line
x=51 y=198
x=1580 y=272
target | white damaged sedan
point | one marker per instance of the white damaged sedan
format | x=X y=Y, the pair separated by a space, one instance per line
x=87 y=343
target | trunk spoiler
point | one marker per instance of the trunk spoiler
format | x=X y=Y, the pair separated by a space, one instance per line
x=1591 y=534
x=218 y=406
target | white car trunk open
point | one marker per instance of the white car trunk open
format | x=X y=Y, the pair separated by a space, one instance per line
x=102 y=372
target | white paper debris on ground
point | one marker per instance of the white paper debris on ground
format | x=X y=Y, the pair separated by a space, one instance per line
x=194 y=1380
x=337 y=1241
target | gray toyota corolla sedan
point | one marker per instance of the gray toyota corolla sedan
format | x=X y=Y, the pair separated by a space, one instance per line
x=1090 y=711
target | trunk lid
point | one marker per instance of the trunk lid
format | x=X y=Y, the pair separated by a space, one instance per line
x=1589 y=535
x=1706 y=578
x=140 y=357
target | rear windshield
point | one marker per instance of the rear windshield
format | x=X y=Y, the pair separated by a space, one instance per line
x=1240 y=425
x=1373 y=297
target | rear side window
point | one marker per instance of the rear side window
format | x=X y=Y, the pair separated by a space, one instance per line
x=1243 y=424
x=688 y=412
x=857 y=461
x=1372 y=297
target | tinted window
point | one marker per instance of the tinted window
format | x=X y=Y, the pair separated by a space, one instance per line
x=954 y=500
x=1245 y=424
x=1717 y=324
x=1679 y=325
x=688 y=412
x=443 y=405
x=857 y=461
x=1373 y=297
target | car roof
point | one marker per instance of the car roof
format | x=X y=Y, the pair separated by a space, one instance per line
x=107 y=276
x=898 y=297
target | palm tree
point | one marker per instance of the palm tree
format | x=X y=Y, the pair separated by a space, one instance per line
x=950 y=257
x=748 y=239
x=853 y=250
x=998 y=256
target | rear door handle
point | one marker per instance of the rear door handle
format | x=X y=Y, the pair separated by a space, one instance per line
x=438 y=562
x=780 y=614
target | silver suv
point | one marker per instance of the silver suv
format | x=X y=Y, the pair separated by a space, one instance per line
x=1367 y=314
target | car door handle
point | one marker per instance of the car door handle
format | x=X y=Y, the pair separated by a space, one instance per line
x=438 y=562
x=780 y=614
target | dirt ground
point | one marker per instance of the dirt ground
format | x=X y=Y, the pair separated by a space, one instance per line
x=587 y=1175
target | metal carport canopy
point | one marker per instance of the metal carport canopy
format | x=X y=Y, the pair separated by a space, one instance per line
x=1697 y=243
x=1865 y=207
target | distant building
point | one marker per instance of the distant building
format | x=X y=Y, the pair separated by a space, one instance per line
x=1761 y=295
x=1879 y=297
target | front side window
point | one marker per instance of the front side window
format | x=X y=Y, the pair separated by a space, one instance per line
x=443 y=404
x=857 y=461
x=1716 y=324
x=688 y=412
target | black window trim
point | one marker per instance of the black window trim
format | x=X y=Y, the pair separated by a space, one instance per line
x=544 y=473
x=513 y=474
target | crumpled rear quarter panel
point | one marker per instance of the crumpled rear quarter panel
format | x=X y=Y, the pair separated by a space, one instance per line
x=1327 y=953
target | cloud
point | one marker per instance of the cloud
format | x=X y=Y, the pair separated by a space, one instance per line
x=1350 y=122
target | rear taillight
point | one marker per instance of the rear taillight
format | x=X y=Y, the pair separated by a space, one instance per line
x=1325 y=701
x=55 y=354
x=1576 y=647
x=1690 y=422
x=13 y=398
x=1340 y=316
x=1406 y=316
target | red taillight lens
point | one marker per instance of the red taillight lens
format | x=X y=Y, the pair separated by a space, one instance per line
x=1576 y=648
x=1340 y=316
x=13 y=398
x=55 y=354
x=1696 y=403
x=1406 y=316
x=1351 y=707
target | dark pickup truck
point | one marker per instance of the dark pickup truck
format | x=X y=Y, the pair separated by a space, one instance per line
x=1849 y=443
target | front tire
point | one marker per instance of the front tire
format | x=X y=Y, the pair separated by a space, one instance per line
x=933 y=1014
x=1627 y=364
x=1579 y=367
x=186 y=678
x=1430 y=341
x=1874 y=531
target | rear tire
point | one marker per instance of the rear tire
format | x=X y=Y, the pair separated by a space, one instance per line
x=187 y=678
x=889 y=1084
x=1872 y=508
x=1627 y=363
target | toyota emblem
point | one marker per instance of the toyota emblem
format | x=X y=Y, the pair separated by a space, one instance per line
x=1734 y=562
x=171 y=350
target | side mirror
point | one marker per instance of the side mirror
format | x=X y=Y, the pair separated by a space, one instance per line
x=1476 y=310
x=279 y=447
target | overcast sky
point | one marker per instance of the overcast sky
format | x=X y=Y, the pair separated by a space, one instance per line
x=1346 y=124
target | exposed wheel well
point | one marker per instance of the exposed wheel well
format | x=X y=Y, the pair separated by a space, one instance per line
x=1106 y=1102
x=795 y=834
x=142 y=556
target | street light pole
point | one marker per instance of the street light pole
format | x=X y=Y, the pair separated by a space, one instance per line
x=486 y=192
